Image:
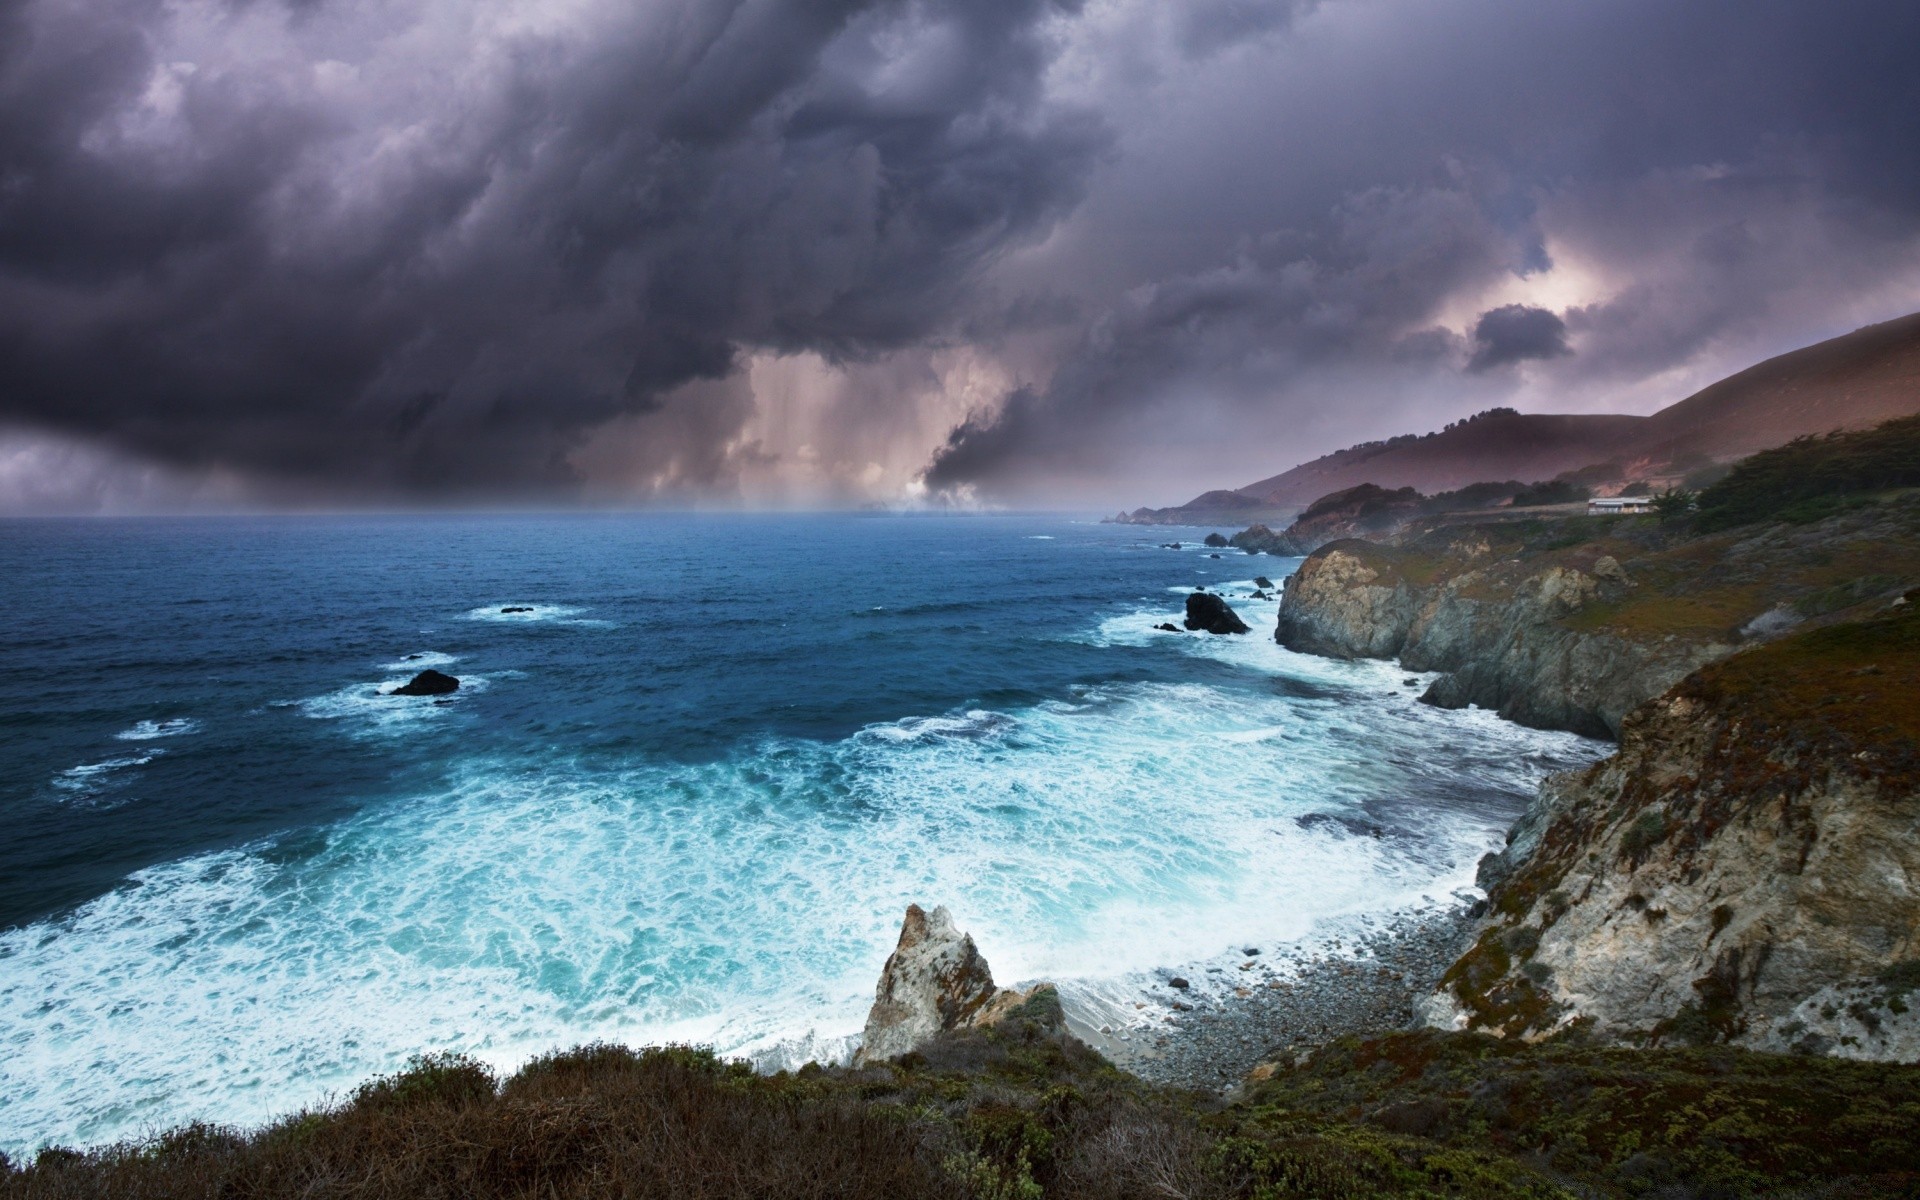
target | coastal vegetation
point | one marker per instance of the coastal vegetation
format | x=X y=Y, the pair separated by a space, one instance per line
x=1019 y=1112
x=1811 y=478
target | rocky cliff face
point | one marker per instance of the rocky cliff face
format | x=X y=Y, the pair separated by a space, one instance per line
x=1745 y=869
x=1570 y=624
x=1499 y=629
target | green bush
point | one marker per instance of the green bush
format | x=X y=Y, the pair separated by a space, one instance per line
x=1811 y=478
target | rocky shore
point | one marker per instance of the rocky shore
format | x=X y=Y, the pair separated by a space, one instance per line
x=1228 y=1020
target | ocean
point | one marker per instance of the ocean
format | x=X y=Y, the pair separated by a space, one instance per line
x=683 y=796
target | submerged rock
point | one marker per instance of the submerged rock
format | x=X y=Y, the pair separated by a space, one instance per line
x=428 y=683
x=1168 y=627
x=517 y=608
x=1209 y=612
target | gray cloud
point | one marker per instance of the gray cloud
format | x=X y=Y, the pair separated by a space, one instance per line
x=1515 y=333
x=433 y=248
x=430 y=247
x=1692 y=187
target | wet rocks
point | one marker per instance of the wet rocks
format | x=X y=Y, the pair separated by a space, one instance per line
x=1167 y=627
x=1209 y=612
x=517 y=608
x=1216 y=541
x=1297 y=999
x=428 y=683
x=1263 y=583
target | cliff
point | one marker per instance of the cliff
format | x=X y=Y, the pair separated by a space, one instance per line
x=1571 y=623
x=1745 y=869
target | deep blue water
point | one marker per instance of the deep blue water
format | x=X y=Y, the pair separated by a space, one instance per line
x=686 y=796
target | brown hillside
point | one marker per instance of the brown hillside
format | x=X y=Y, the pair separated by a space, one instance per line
x=1502 y=445
x=1850 y=382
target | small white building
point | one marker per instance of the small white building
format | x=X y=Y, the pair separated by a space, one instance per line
x=1612 y=505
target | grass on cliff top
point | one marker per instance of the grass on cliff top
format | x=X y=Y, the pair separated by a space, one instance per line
x=1855 y=684
x=1022 y=1114
x=1612 y=1121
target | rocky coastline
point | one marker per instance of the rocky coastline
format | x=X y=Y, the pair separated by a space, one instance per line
x=1571 y=623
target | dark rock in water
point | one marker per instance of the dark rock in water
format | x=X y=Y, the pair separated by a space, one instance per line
x=1178 y=982
x=1215 y=539
x=1209 y=612
x=1251 y=951
x=1353 y=825
x=1261 y=581
x=428 y=683
x=1213 y=556
x=1168 y=626
x=1169 y=545
x=512 y=608
x=409 y=657
x=1410 y=683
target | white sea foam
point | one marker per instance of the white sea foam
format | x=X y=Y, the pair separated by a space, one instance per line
x=100 y=784
x=534 y=614
x=372 y=708
x=420 y=661
x=146 y=731
x=749 y=902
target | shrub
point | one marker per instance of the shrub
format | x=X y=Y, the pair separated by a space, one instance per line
x=1643 y=835
x=453 y=1080
x=1813 y=477
x=1552 y=492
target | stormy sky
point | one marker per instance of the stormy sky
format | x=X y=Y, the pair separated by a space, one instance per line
x=1029 y=252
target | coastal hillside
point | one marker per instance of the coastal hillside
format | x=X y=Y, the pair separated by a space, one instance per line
x=1740 y=871
x=1023 y=1111
x=1571 y=622
x=1850 y=382
x=1500 y=444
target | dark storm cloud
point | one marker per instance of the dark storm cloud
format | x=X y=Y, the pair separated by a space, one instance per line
x=1515 y=333
x=428 y=246
x=1736 y=178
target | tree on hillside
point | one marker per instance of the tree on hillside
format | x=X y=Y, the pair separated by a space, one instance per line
x=1674 y=503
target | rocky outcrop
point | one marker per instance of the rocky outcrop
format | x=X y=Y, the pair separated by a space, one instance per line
x=1209 y=612
x=1571 y=622
x=935 y=982
x=1363 y=511
x=428 y=683
x=1499 y=631
x=1745 y=869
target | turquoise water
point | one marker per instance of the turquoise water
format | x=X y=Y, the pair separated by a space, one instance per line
x=685 y=797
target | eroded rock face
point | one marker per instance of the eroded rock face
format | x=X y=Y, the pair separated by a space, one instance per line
x=935 y=980
x=1746 y=868
x=1498 y=630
